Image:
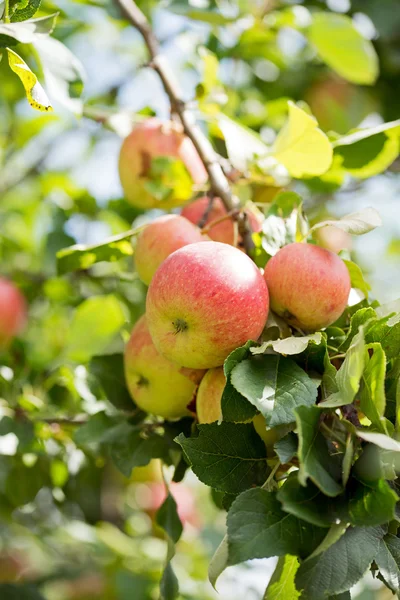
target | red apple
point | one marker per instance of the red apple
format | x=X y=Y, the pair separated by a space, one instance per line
x=150 y=140
x=308 y=286
x=153 y=495
x=221 y=232
x=333 y=239
x=156 y=385
x=160 y=238
x=205 y=300
x=12 y=312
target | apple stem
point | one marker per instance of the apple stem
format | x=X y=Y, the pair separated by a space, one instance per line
x=218 y=181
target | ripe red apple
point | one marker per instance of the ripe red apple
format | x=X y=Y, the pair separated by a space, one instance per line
x=308 y=286
x=205 y=300
x=151 y=496
x=333 y=239
x=221 y=232
x=12 y=312
x=155 y=384
x=154 y=139
x=160 y=238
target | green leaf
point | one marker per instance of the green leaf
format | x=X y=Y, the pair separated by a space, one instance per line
x=379 y=439
x=349 y=375
x=169 y=585
x=63 y=73
x=357 y=278
x=36 y=95
x=342 y=565
x=315 y=461
x=234 y=406
x=134 y=450
x=286 y=448
x=229 y=457
x=334 y=534
x=167 y=518
x=387 y=333
x=281 y=585
x=288 y=346
x=372 y=391
x=306 y=502
x=205 y=16
x=367 y=152
x=27 y=10
x=361 y=317
x=275 y=385
x=15 y=591
x=109 y=372
x=95 y=430
x=219 y=561
x=258 y=528
x=301 y=146
x=372 y=503
x=356 y=223
x=388 y=561
x=27 y=32
x=354 y=58
x=80 y=256
x=94 y=325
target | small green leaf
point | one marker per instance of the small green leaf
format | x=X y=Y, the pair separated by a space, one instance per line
x=356 y=223
x=357 y=278
x=342 y=565
x=372 y=503
x=288 y=346
x=372 y=391
x=167 y=518
x=315 y=461
x=301 y=146
x=95 y=430
x=27 y=10
x=109 y=371
x=275 y=385
x=219 y=562
x=229 y=457
x=258 y=528
x=234 y=406
x=94 y=325
x=282 y=585
x=354 y=58
x=286 y=448
x=134 y=450
x=79 y=256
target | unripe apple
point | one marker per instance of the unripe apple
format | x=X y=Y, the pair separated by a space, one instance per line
x=308 y=285
x=155 y=384
x=150 y=140
x=12 y=312
x=205 y=300
x=209 y=395
x=221 y=232
x=333 y=239
x=160 y=238
x=150 y=472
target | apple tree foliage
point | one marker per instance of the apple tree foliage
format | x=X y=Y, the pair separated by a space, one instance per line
x=324 y=497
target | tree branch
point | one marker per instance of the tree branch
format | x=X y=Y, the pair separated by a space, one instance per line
x=218 y=182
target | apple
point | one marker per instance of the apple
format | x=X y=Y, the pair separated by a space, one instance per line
x=151 y=496
x=156 y=385
x=333 y=239
x=209 y=394
x=13 y=312
x=150 y=472
x=309 y=286
x=156 y=139
x=159 y=239
x=205 y=300
x=221 y=232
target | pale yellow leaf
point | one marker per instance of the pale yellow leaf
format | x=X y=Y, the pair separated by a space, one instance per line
x=301 y=146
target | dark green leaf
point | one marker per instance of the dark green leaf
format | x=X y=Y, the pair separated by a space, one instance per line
x=229 y=457
x=27 y=10
x=286 y=448
x=275 y=385
x=315 y=461
x=10 y=591
x=258 y=528
x=169 y=586
x=307 y=502
x=167 y=518
x=109 y=371
x=95 y=430
x=371 y=503
x=388 y=561
x=234 y=406
x=134 y=450
x=342 y=565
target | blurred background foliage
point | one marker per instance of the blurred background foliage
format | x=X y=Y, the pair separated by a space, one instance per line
x=69 y=521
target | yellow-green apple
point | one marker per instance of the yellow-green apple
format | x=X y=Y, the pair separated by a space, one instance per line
x=309 y=286
x=333 y=239
x=155 y=139
x=205 y=300
x=12 y=312
x=156 y=385
x=221 y=232
x=209 y=394
x=159 y=239
x=150 y=472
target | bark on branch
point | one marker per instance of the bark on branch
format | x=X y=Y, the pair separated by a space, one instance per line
x=219 y=184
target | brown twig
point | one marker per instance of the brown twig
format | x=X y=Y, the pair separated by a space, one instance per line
x=230 y=215
x=207 y=212
x=218 y=181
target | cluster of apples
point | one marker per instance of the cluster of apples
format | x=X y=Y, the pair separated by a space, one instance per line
x=206 y=297
x=12 y=312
